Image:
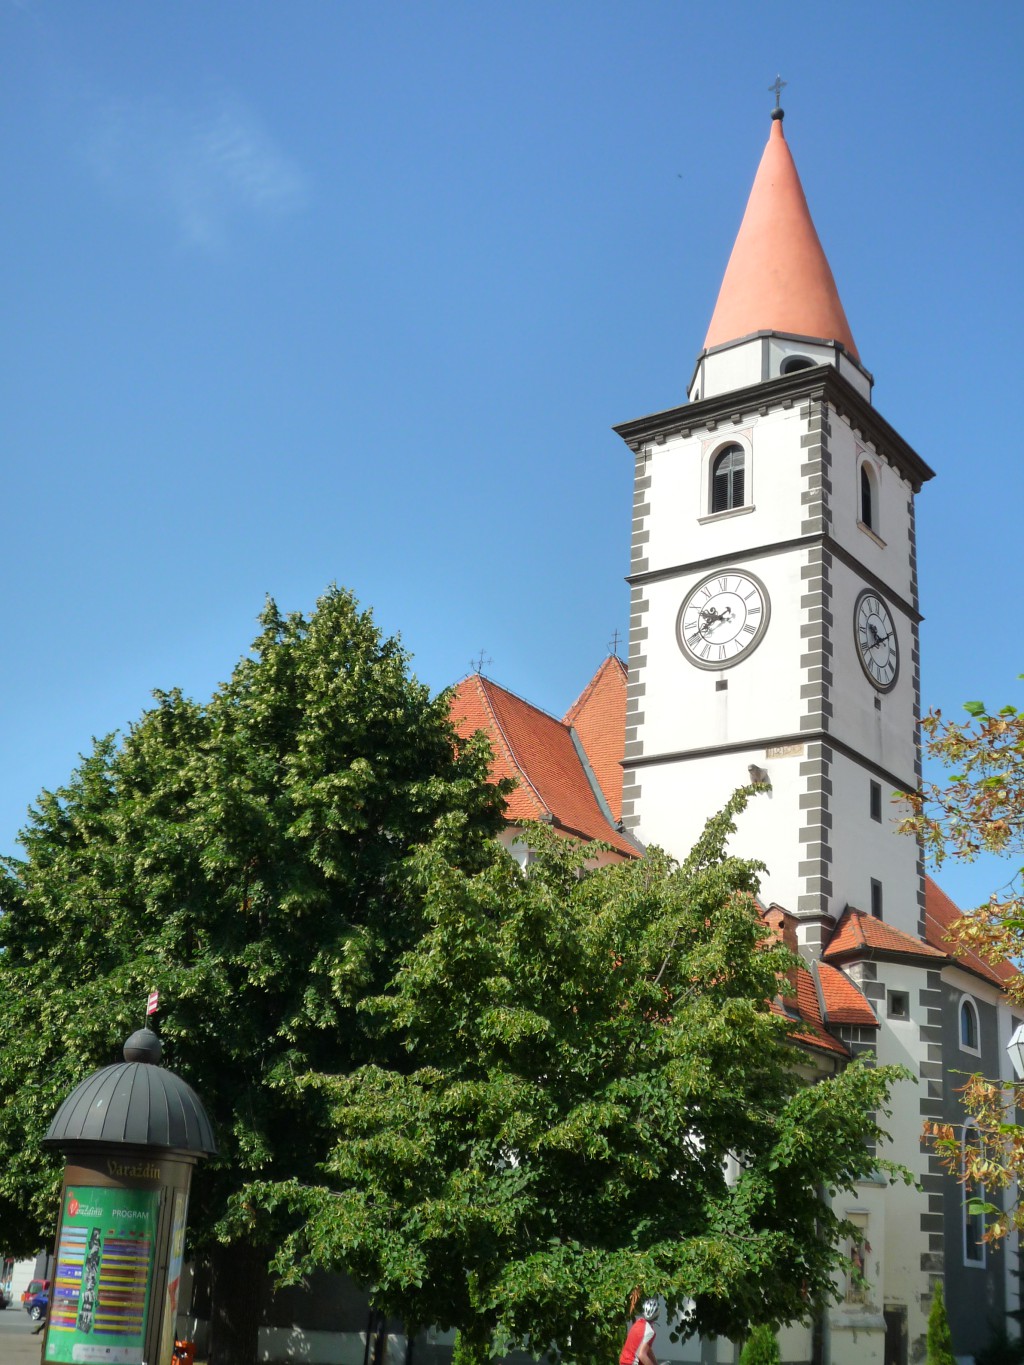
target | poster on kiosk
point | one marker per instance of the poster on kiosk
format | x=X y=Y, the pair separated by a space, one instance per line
x=100 y=1296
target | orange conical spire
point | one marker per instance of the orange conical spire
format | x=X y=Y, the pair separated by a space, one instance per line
x=778 y=279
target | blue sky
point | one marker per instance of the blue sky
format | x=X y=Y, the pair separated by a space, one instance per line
x=312 y=292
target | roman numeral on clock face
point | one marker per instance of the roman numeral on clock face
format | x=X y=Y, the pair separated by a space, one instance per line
x=876 y=639
x=722 y=619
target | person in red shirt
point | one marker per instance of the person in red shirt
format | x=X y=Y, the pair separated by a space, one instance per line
x=639 y=1343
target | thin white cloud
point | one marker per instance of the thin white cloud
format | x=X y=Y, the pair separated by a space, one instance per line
x=207 y=168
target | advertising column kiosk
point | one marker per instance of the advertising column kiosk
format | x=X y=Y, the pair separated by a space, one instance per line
x=131 y=1134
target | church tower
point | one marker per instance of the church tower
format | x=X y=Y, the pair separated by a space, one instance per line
x=774 y=638
x=774 y=608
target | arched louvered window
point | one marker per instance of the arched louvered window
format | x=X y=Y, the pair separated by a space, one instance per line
x=727 y=481
x=867 y=497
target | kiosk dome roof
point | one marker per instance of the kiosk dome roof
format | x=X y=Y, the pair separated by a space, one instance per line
x=135 y=1104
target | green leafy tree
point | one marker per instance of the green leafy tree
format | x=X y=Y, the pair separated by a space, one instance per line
x=251 y=857
x=940 y=1339
x=980 y=811
x=583 y=1052
x=761 y=1348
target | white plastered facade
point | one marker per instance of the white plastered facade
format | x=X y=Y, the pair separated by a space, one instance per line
x=697 y=730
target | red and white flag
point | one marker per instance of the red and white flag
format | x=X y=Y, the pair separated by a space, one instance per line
x=151 y=1004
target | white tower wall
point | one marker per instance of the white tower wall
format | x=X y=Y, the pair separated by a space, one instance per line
x=799 y=705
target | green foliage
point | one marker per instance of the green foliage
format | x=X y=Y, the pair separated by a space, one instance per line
x=252 y=857
x=581 y=1054
x=761 y=1348
x=1001 y=1349
x=980 y=811
x=469 y=1350
x=940 y=1340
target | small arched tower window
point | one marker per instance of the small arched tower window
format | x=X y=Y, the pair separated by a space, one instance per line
x=727 y=479
x=969 y=1032
x=868 y=511
x=796 y=362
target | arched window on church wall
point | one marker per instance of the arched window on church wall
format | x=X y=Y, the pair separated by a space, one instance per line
x=728 y=480
x=974 y=1223
x=868 y=497
x=970 y=1034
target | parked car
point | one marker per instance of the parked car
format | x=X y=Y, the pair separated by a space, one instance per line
x=34 y=1287
x=38 y=1305
x=4 y=1300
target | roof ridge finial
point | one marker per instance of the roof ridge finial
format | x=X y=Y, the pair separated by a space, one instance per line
x=777 y=86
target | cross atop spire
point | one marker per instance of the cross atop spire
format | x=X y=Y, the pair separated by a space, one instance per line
x=777 y=86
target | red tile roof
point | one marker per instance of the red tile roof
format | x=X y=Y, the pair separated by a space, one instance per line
x=810 y=1013
x=811 y=1030
x=940 y=915
x=778 y=279
x=539 y=753
x=844 y=1003
x=598 y=715
x=860 y=935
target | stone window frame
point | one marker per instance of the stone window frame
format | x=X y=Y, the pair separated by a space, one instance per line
x=867 y=477
x=898 y=1006
x=967 y=1007
x=711 y=458
x=729 y=465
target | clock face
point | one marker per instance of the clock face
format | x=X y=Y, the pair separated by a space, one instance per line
x=723 y=618
x=877 y=645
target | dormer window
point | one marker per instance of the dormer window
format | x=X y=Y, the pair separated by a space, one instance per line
x=796 y=362
x=727 y=479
